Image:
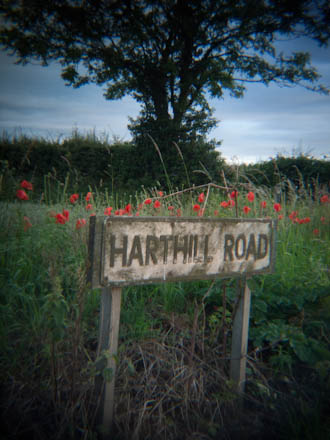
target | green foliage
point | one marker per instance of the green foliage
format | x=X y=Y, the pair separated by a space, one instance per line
x=169 y=56
x=303 y=171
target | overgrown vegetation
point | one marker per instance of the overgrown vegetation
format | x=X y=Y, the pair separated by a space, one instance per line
x=174 y=348
x=87 y=162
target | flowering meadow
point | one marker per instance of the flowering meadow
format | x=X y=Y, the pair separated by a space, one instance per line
x=173 y=358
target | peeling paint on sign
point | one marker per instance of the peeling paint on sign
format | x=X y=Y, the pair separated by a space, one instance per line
x=153 y=249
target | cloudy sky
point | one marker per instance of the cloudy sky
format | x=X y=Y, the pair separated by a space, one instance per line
x=267 y=121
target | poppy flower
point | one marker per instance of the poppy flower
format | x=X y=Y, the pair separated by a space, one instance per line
x=88 y=196
x=108 y=210
x=231 y=202
x=157 y=204
x=66 y=214
x=60 y=218
x=27 y=223
x=293 y=215
x=263 y=204
x=201 y=198
x=224 y=204
x=26 y=185
x=21 y=194
x=322 y=219
x=250 y=196
x=179 y=212
x=128 y=209
x=147 y=202
x=196 y=207
x=160 y=193
x=201 y=212
x=171 y=208
x=325 y=198
x=246 y=209
x=88 y=207
x=233 y=194
x=277 y=207
x=316 y=231
x=280 y=216
x=80 y=223
x=216 y=212
x=74 y=198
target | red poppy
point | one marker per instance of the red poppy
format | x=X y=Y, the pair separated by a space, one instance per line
x=128 y=209
x=147 y=202
x=171 y=208
x=316 y=231
x=216 y=212
x=21 y=194
x=157 y=204
x=233 y=194
x=60 y=218
x=322 y=219
x=74 y=198
x=80 y=223
x=26 y=185
x=160 y=193
x=263 y=204
x=224 y=204
x=66 y=214
x=280 y=216
x=231 y=202
x=277 y=207
x=250 y=196
x=325 y=198
x=179 y=212
x=137 y=214
x=196 y=207
x=27 y=223
x=108 y=210
x=201 y=212
x=201 y=198
x=246 y=209
x=293 y=215
x=88 y=207
x=88 y=196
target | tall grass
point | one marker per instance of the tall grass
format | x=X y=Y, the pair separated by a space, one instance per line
x=174 y=338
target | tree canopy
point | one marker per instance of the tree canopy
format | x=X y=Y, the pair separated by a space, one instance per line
x=170 y=55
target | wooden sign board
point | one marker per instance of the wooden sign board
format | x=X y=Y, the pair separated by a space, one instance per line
x=140 y=250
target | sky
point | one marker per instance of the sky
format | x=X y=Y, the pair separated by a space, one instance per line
x=267 y=121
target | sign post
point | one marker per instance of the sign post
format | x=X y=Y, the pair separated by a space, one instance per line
x=139 y=250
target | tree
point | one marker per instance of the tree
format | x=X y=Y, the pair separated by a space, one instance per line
x=170 y=55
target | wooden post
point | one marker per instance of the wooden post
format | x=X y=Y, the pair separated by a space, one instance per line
x=108 y=345
x=240 y=335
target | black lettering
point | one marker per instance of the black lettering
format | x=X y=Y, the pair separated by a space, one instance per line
x=165 y=239
x=180 y=248
x=193 y=246
x=206 y=248
x=136 y=251
x=152 y=245
x=251 y=248
x=114 y=251
x=262 y=246
x=229 y=244
x=240 y=246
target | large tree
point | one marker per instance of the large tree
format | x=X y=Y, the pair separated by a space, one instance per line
x=170 y=55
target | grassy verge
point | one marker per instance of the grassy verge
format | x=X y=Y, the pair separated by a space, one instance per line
x=172 y=379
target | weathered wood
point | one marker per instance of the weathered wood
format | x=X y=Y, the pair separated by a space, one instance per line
x=107 y=351
x=240 y=335
x=141 y=250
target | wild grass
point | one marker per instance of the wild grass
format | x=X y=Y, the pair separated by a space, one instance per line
x=174 y=348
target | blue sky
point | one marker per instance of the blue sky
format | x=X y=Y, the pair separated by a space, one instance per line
x=267 y=121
